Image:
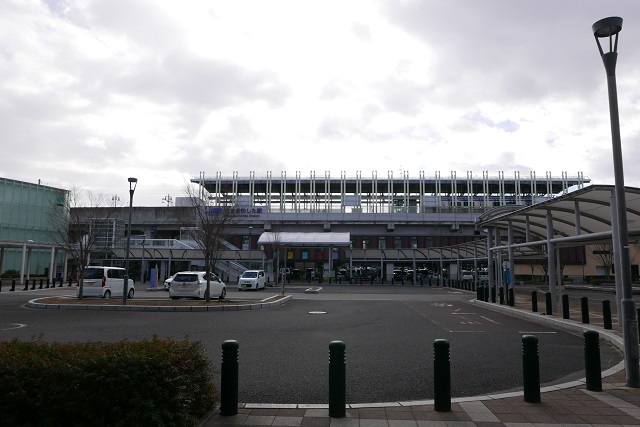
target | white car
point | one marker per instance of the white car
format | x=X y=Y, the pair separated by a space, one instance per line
x=167 y=283
x=193 y=284
x=104 y=282
x=252 y=279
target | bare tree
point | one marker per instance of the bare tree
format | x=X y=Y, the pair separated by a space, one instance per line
x=76 y=227
x=210 y=223
x=603 y=253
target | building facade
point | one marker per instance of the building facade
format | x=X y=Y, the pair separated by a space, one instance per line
x=26 y=227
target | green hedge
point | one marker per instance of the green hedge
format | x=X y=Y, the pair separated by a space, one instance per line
x=157 y=382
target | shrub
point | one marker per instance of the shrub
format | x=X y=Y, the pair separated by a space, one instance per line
x=159 y=382
x=11 y=274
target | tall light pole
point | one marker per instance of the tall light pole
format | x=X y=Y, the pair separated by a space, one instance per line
x=610 y=28
x=133 y=182
x=250 y=231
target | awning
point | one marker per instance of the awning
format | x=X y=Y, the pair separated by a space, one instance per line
x=305 y=239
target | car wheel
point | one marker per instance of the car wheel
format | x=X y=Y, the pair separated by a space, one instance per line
x=174 y=297
x=130 y=294
x=223 y=293
x=107 y=295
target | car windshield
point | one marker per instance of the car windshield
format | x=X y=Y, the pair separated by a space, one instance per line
x=250 y=274
x=93 y=273
x=186 y=278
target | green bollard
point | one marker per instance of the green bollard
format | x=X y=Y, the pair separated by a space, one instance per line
x=592 y=361
x=337 y=380
x=441 y=376
x=606 y=314
x=531 y=369
x=584 y=303
x=229 y=379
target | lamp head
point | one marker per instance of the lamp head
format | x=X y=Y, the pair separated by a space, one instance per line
x=133 y=183
x=607 y=27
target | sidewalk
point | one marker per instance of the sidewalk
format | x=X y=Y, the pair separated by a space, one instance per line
x=568 y=404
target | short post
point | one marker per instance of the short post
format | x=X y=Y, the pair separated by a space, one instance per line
x=638 y=313
x=606 y=314
x=565 y=306
x=501 y=291
x=441 y=376
x=229 y=379
x=13 y=285
x=512 y=297
x=41 y=283
x=584 y=302
x=549 y=303
x=592 y=361
x=337 y=380
x=26 y=285
x=534 y=301
x=0 y=285
x=530 y=369
x=493 y=293
x=48 y=282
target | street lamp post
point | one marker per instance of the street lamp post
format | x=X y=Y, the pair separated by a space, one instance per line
x=133 y=182
x=610 y=28
x=250 y=232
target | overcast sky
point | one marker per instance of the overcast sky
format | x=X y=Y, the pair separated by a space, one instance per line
x=93 y=92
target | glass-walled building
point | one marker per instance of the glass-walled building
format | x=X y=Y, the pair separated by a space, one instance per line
x=25 y=219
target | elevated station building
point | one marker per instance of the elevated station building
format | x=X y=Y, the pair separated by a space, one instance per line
x=391 y=220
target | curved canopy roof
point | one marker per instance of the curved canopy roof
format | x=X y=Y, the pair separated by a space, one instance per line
x=579 y=217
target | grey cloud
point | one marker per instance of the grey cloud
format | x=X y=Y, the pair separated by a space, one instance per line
x=361 y=30
x=505 y=125
x=401 y=95
x=207 y=83
x=497 y=50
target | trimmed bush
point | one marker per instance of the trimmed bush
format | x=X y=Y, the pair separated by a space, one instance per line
x=157 y=382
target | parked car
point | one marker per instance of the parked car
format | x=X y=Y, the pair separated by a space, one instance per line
x=466 y=275
x=193 y=284
x=167 y=283
x=252 y=279
x=105 y=282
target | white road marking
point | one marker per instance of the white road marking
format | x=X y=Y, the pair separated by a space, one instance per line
x=317 y=312
x=534 y=332
x=467 y=332
x=489 y=320
x=15 y=326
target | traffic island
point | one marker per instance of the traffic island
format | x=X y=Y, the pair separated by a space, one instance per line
x=71 y=303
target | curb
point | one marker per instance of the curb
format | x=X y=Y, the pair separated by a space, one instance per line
x=158 y=308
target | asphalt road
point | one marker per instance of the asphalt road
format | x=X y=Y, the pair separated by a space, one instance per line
x=284 y=351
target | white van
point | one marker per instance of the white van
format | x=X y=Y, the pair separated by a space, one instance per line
x=252 y=279
x=105 y=282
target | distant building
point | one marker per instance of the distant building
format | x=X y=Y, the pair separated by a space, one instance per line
x=25 y=222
